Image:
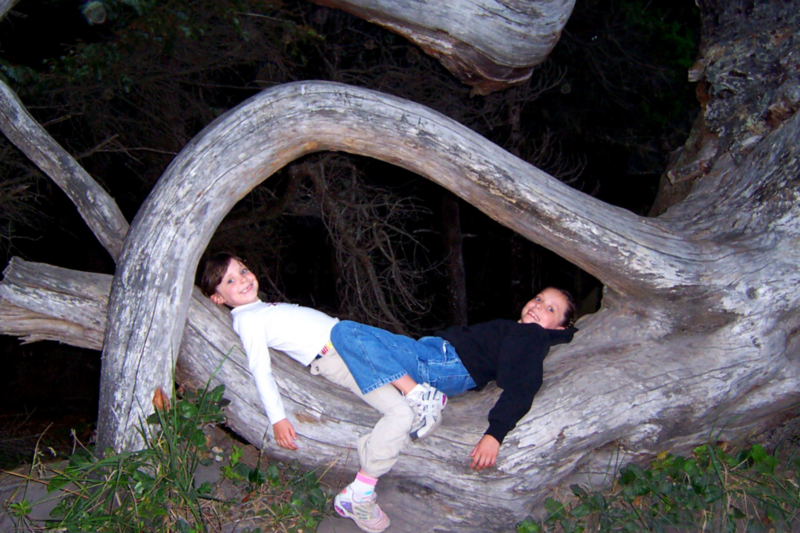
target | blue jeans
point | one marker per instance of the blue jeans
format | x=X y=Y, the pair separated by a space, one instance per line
x=376 y=357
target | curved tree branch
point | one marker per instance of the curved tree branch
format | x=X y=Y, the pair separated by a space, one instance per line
x=489 y=44
x=95 y=205
x=149 y=299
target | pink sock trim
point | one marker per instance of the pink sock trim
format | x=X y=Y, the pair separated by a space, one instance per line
x=366 y=479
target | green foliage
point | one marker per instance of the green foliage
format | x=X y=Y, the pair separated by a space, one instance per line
x=155 y=489
x=21 y=509
x=16 y=73
x=152 y=489
x=709 y=491
x=294 y=496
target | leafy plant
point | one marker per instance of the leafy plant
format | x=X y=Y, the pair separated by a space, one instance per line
x=709 y=491
x=155 y=489
x=148 y=490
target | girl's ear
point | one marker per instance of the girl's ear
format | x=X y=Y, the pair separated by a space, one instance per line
x=217 y=299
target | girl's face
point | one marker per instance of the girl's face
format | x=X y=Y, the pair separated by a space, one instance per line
x=546 y=309
x=238 y=286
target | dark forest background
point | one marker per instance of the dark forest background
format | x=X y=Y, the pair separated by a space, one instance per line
x=123 y=86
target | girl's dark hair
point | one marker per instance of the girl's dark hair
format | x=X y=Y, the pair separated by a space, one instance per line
x=213 y=270
x=571 y=311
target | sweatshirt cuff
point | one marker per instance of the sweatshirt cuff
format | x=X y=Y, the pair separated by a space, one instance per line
x=275 y=414
x=497 y=432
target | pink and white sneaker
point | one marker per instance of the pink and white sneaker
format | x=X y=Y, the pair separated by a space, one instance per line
x=367 y=515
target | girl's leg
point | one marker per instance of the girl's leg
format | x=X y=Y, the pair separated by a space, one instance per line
x=405 y=384
x=377 y=451
x=376 y=357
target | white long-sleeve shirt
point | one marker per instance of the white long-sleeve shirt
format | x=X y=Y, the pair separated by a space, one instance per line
x=299 y=332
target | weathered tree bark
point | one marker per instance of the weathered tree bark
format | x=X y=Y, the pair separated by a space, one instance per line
x=149 y=299
x=488 y=44
x=697 y=336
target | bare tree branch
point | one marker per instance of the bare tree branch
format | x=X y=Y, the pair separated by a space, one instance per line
x=95 y=205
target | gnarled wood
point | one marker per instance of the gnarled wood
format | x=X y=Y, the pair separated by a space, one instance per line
x=697 y=337
x=149 y=299
x=325 y=416
x=488 y=44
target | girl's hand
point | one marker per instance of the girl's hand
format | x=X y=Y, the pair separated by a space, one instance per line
x=484 y=454
x=284 y=434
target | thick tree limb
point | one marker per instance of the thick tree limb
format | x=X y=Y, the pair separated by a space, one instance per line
x=325 y=416
x=698 y=336
x=149 y=300
x=488 y=44
x=95 y=205
x=601 y=402
x=33 y=327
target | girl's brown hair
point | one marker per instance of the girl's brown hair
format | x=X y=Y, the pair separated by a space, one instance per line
x=213 y=270
x=571 y=310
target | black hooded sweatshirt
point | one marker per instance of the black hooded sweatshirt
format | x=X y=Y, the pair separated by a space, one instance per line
x=511 y=354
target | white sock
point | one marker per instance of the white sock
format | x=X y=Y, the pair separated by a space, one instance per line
x=363 y=487
x=418 y=389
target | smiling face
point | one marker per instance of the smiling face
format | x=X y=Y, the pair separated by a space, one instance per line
x=546 y=309
x=238 y=286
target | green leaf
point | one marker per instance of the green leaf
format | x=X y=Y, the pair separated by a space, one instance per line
x=186 y=410
x=273 y=474
x=528 y=526
x=236 y=455
x=581 y=510
x=554 y=508
x=256 y=477
x=627 y=476
x=20 y=509
x=216 y=394
x=577 y=490
x=758 y=453
x=690 y=467
x=57 y=482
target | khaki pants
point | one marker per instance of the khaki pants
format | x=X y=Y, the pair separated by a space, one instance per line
x=378 y=451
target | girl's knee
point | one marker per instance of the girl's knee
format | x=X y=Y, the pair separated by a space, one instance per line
x=402 y=414
x=342 y=331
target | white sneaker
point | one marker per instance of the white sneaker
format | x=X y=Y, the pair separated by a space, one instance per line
x=367 y=515
x=427 y=404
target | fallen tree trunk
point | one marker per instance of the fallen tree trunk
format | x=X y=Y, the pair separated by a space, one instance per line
x=72 y=305
x=698 y=336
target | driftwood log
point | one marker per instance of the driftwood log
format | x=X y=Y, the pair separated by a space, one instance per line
x=697 y=336
x=44 y=302
x=487 y=44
